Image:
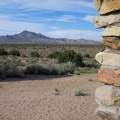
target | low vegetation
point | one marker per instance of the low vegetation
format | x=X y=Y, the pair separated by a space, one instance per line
x=78 y=92
x=18 y=60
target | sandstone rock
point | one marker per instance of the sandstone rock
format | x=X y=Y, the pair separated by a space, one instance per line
x=109 y=76
x=108 y=59
x=109 y=6
x=115 y=44
x=103 y=21
x=111 y=50
x=98 y=3
x=112 y=31
x=108 y=95
x=107 y=113
x=109 y=66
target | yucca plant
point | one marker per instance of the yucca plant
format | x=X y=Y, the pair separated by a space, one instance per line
x=78 y=91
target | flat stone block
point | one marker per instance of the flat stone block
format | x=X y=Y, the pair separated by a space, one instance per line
x=108 y=58
x=109 y=76
x=111 y=50
x=98 y=3
x=108 y=95
x=112 y=31
x=107 y=113
x=103 y=21
x=115 y=44
x=109 y=6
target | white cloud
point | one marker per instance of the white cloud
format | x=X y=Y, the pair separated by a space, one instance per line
x=55 y=5
x=4 y=17
x=12 y=27
x=67 y=18
x=64 y=18
x=74 y=34
x=7 y=26
x=88 y=18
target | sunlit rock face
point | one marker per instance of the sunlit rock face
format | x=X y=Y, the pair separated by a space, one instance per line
x=108 y=96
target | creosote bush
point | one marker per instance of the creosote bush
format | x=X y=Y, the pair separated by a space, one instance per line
x=11 y=68
x=86 y=56
x=35 y=54
x=68 y=56
x=14 y=52
x=55 y=54
x=48 y=69
x=3 y=52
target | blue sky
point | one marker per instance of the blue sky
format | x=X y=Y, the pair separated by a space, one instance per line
x=54 y=18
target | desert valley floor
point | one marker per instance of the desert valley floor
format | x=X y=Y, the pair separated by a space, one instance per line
x=33 y=98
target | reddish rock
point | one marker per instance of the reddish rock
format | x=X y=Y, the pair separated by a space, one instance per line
x=115 y=44
x=109 y=76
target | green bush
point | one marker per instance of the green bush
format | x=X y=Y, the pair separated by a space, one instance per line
x=2 y=51
x=35 y=54
x=77 y=72
x=87 y=70
x=66 y=68
x=55 y=54
x=68 y=56
x=86 y=56
x=48 y=69
x=14 y=52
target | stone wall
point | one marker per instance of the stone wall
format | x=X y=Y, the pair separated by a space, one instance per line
x=108 y=96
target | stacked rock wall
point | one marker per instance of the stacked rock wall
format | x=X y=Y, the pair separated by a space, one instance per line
x=108 y=96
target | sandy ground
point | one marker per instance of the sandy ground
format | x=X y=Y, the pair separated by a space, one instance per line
x=33 y=98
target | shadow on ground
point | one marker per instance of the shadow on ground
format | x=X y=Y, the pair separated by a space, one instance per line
x=34 y=77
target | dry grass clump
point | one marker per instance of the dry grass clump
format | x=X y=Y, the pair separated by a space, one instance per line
x=49 y=69
x=11 y=68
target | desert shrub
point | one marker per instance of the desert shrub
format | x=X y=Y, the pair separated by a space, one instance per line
x=78 y=92
x=48 y=69
x=36 y=69
x=66 y=68
x=55 y=54
x=68 y=56
x=57 y=91
x=14 y=52
x=35 y=54
x=77 y=72
x=78 y=60
x=2 y=51
x=11 y=68
x=86 y=56
x=23 y=55
x=86 y=70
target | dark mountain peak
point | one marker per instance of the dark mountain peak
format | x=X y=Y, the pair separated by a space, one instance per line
x=25 y=32
x=32 y=37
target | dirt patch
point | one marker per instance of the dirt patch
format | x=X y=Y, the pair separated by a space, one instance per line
x=33 y=98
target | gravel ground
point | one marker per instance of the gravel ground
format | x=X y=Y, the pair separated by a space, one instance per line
x=34 y=98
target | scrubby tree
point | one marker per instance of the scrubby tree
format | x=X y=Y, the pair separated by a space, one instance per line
x=2 y=51
x=35 y=54
x=14 y=52
x=68 y=56
x=86 y=55
x=55 y=54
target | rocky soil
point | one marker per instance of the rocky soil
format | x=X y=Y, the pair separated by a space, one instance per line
x=34 y=98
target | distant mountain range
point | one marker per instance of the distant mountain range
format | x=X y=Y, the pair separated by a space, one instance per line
x=31 y=37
